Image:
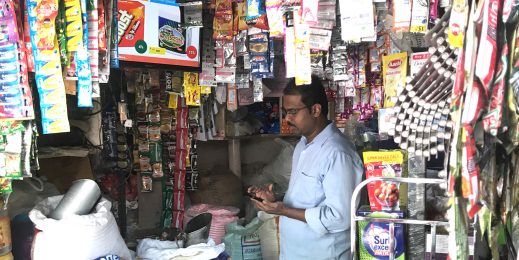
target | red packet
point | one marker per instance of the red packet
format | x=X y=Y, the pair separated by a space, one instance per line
x=180 y=180
x=178 y=200
x=178 y=219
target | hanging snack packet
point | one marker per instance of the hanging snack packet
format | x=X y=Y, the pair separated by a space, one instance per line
x=93 y=41
x=320 y=39
x=146 y=182
x=226 y=58
x=419 y=17
x=259 y=54
x=309 y=11
x=191 y=89
x=258 y=90
x=401 y=15
x=394 y=71
x=223 y=20
x=275 y=18
x=241 y=43
x=62 y=37
x=255 y=9
x=5 y=185
x=290 y=52
x=302 y=45
x=232 y=98
x=241 y=8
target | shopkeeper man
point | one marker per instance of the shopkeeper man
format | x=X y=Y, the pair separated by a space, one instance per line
x=315 y=212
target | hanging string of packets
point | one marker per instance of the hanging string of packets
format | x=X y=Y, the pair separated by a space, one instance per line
x=15 y=93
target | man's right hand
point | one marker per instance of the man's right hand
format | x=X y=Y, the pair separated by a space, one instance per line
x=264 y=192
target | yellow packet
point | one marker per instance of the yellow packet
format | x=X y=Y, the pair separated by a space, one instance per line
x=457 y=23
x=205 y=90
x=191 y=89
x=73 y=25
x=394 y=71
x=173 y=100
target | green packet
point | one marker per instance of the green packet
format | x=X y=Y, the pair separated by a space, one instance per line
x=5 y=185
x=10 y=127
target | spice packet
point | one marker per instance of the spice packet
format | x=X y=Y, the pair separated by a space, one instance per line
x=394 y=75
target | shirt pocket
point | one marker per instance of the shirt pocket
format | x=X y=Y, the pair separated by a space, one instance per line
x=307 y=186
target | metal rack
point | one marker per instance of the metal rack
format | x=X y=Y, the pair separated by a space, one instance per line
x=391 y=221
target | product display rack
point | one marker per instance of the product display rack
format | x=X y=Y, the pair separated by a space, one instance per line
x=392 y=221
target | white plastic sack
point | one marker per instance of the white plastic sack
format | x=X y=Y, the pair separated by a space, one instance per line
x=76 y=237
x=151 y=249
x=243 y=242
x=269 y=235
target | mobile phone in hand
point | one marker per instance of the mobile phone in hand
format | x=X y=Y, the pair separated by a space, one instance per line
x=253 y=196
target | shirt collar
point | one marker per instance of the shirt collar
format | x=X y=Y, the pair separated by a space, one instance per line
x=322 y=136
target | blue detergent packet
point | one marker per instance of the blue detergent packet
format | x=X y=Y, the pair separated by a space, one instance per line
x=374 y=236
x=108 y=257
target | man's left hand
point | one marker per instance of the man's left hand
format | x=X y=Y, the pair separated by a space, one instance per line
x=276 y=208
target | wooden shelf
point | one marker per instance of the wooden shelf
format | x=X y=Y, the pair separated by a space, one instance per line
x=245 y=137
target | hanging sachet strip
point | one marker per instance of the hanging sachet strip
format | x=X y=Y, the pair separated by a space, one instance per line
x=47 y=63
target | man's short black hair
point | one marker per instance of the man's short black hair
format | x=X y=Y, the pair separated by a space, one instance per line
x=310 y=94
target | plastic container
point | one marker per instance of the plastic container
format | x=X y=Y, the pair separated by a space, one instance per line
x=79 y=199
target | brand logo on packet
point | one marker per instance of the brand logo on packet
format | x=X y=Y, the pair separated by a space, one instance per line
x=394 y=64
x=376 y=241
x=125 y=19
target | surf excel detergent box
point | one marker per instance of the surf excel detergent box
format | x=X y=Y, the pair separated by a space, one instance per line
x=373 y=237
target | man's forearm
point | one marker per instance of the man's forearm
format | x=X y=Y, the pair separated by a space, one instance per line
x=298 y=214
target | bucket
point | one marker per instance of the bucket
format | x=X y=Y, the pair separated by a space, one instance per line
x=197 y=230
x=79 y=199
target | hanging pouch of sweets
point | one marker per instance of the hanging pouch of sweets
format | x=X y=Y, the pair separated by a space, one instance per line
x=384 y=195
x=394 y=71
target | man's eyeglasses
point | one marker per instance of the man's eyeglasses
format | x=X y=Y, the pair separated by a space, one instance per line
x=292 y=111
